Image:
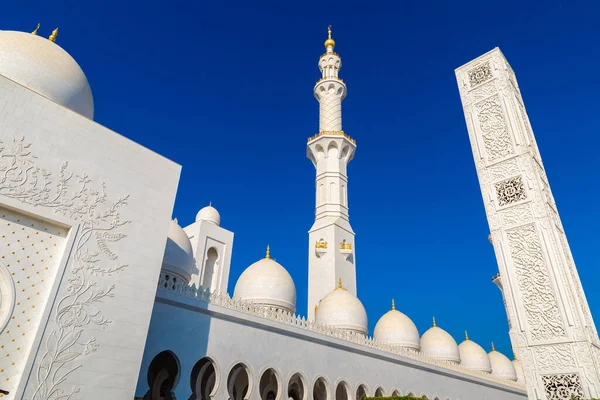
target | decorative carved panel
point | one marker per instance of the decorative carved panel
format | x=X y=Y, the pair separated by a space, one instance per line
x=562 y=387
x=480 y=74
x=554 y=357
x=483 y=92
x=494 y=129
x=536 y=291
x=517 y=215
x=510 y=191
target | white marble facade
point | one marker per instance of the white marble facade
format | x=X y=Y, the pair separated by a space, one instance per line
x=87 y=238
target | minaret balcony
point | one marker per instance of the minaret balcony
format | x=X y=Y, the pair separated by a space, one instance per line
x=320 y=248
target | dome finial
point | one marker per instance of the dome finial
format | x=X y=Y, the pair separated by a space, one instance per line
x=329 y=42
x=340 y=283
x=493 y=348
x=210 y=203
x=35 y=31
x=53 y=36
x=466 y=335
x=268 y=256
x=434 y=324
x=393 y=305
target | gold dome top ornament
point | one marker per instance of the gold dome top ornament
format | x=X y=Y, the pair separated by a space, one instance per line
x=268 y=255
x=329 y=41
x=35 y=31
x=53 y=36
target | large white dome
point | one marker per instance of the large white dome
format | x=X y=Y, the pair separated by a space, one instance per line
x=44 y=67
x=267 y=282
x=209 y=214
x=438 y=344
x=179 y=257
x=342 y=309
x=474 y=357
x=397 y=329
x=502 y=367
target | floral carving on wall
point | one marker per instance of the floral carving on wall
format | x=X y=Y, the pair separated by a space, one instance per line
x=562 y=387
x=539 y=301
x=494 y=130
x=554 y=356
x=510 y=191
x=75 y=197
x=480 y=74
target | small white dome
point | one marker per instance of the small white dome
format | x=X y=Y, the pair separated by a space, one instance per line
x=267 y=282
x=519 y=370
x=44 y=67
x=438 y=344
x=179 y=257
x=474 y=357
x=209 y=214
x=397 y=329
x=342 y=309
x=502 y=367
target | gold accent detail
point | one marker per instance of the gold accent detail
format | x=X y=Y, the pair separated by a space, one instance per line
x=345 y=246
x=268 y=256
x=53 y=36
x=340 y=283
x=329 y=41
x=321 y=244
x=393 y=305
x=35 y=31
x=434 y=324
x=466 y=335
x=493 y=348
x=331 y=133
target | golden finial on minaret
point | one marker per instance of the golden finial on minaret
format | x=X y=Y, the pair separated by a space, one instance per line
x=466 y=335
x=493 y=348
x=329 y=41
x=53 y=36
x=393 y=305
x=340 y=283
x=36 y=29
x=268 y=252
x=434 y=324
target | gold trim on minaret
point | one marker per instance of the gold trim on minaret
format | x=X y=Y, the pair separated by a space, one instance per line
x=268 y=256
x=35 y=31
x=53 y=36
x=329 y=41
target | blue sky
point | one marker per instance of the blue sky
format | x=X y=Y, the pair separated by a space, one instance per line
x=225 y=89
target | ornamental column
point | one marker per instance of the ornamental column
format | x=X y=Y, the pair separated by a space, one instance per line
x=331 y=238
x=551 y=327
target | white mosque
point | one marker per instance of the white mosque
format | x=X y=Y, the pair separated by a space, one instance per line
x=104 y=296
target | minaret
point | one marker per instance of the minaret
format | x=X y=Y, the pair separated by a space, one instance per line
x=331 y=239
x=550 y=324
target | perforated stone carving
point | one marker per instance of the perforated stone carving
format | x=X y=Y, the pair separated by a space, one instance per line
x=562 y=387
x=480 y=74
x=494 y=130
x=510 y=191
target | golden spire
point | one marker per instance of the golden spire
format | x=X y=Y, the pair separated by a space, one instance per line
x=52 y=37
x=329 y=41
x=434 y=324
x=340 y=283
x=268 y=256
x=36 y=29
x=493 y=348
x=393 y=305
x=466 y=335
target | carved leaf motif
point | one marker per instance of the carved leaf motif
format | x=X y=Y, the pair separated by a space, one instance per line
x=494 y=130
x=483 y=92
x=510 y=191
x=517 y=215
x=562 y=387
x=480 y=74
x=539 y=301
x=504 y=170
x=554 y=357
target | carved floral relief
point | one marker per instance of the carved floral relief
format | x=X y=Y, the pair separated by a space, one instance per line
x=494 y=130
x=562 y=386
x=480 y=74
x=510 y=191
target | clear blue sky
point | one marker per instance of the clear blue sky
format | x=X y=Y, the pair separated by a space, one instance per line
x=225 y=89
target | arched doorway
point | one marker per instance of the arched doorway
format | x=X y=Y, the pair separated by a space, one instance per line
x=320 y=391
x=361 y=392
x=297 y=387
x=379 y=392
x=238 y=382
x=269 y=385
x=342 y=392
x=203 y=379
x=163 y=374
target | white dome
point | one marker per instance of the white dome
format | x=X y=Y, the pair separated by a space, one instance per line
x=519 y=370
x=342 y=309
x=179 y=257
x=502 y=367
x=267 y=282
x=397 y=329
x=44 y=67
x=474 y=357
x=209 y=214
x=438 y=344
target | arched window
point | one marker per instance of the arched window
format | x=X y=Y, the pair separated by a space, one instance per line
x=163 y=374
x=269 y=385
x=396 y=393
x=361 y=392
x=211 y=269
x=320 y=390
x=342 y=392
x=203 y=379
x=238 y=382
x=379 y=392
x=297 y=387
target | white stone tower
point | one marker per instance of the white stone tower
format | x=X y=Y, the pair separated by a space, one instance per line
x=550 y=323
x=331 y=238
